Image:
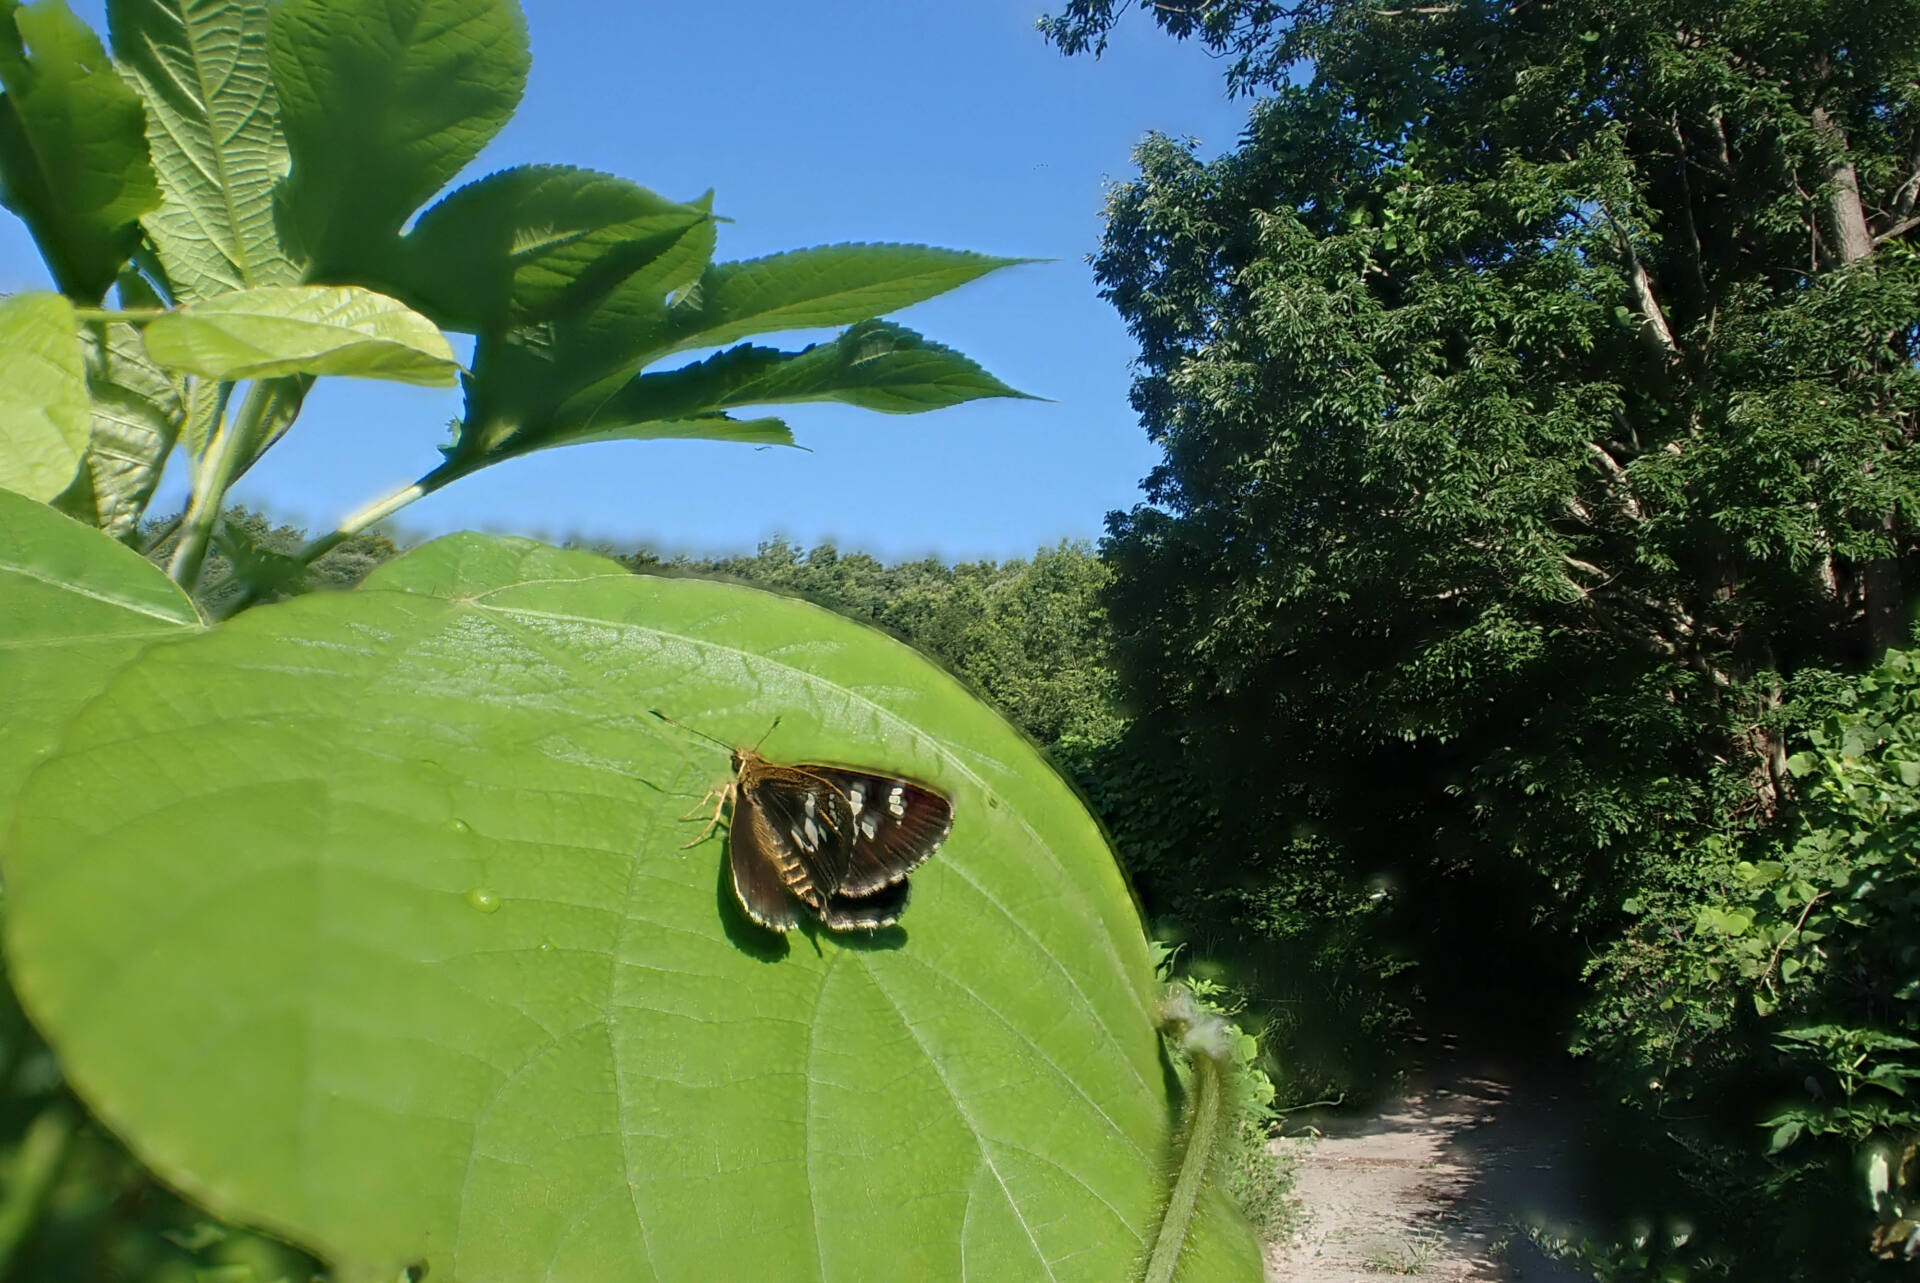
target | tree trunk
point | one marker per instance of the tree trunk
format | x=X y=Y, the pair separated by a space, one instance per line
x=1880 y=580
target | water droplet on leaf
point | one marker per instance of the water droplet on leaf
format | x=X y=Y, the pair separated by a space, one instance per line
x=483 y=900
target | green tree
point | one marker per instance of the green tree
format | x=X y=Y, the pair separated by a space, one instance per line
x=1537 y=397
x=1030 y=635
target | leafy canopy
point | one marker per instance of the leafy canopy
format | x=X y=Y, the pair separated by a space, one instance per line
x=1537 y=395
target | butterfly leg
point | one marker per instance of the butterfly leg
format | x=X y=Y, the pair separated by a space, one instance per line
x=719 y=797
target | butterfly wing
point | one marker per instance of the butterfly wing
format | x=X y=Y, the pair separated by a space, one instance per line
x=896 y=824
x=839 y=841
x=866 y=912
x=759 y=865
x=812 y=822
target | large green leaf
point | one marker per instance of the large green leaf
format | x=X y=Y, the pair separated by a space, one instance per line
x=78 y=606
x=822 y=287
x=73 y=147
x=389 y=942
x=214 y=129
x=43 y=395
x=137 y=414
x=465 y=564
x=302 y=329
x=526 y=244
x=383 y=102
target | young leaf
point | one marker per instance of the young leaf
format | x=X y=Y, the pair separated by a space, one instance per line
x=43 y=395
x=214 y=128
x=876 y=365
x=79 y=605
x=302 y=329
x=73 y=147
x=534 y=377
x=521 y=245
x=423 y=970
x=383 y=102
x=137 y=413
x=818 y=288
x=695 y=427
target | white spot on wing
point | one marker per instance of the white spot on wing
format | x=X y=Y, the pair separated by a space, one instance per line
x=897 y=802
x=870 y=823
x=809 y=801
x=813 y=830
x=856 y=794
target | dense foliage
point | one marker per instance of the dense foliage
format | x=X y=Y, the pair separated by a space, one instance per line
x=1537 y=395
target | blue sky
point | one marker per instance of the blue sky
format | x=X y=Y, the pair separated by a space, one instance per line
x=863 y=120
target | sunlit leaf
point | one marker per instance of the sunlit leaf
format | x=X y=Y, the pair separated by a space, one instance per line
x=831 y=285
x=136 y=414
x=214 y=130
x=462 y=564
x=43 y=395
x=78 y=606
x=303 y=329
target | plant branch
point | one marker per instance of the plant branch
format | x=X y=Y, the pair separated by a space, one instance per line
x=1201 y=1036
x=1766 y=977
x=381 y=509
x=227 y=454
x=1900 y=228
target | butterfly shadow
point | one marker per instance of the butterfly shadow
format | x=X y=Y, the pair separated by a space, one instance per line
x=878 y=940
x=767 y=945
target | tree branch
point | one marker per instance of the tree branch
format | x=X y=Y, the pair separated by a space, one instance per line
x=1650 y=307
x=1900 y=228
x=1617 y=481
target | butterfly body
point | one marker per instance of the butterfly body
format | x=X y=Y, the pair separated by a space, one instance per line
x=834 y=840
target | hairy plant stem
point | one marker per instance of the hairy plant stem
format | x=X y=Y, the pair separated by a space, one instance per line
x=1200 y=1037
x=381 y=509
x=227 y=455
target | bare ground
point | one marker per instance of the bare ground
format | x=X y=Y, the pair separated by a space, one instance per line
x=1440 y=1184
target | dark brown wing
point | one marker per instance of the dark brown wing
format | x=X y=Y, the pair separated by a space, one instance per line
x=866 y=912
x=896 y=824
x=759 y=864
x=815 y=827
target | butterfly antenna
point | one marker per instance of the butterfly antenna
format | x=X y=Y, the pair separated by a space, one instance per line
x=690 y=730
x=763 y=739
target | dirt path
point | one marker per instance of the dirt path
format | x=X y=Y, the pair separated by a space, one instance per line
x=1438 y=1184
